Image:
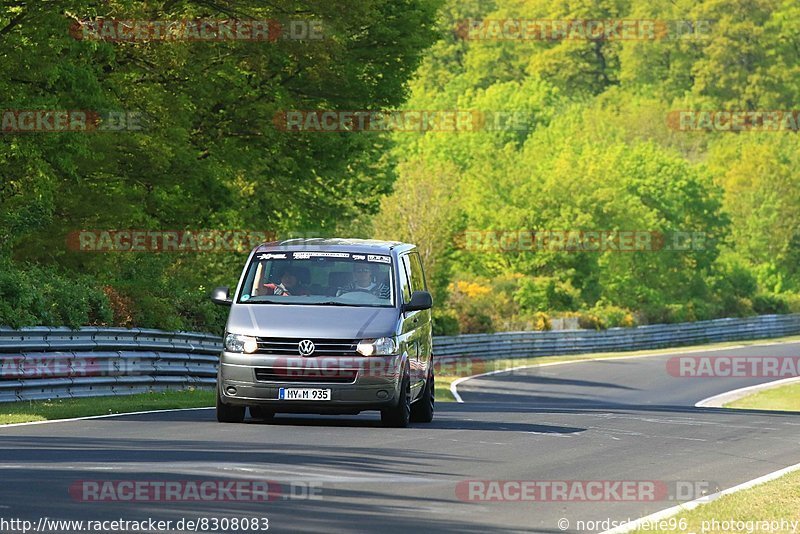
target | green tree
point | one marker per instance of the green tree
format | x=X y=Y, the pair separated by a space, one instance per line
x=209 y=154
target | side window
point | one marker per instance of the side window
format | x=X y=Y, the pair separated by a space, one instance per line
x=405 y=286
x=417 y=276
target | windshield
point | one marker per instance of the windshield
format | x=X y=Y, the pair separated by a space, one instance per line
x=319 y=278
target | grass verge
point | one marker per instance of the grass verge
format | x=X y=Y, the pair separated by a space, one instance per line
x=47 y=410
x=783 y=398
x=775 y=500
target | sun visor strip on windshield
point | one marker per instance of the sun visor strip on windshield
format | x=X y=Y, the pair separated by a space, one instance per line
x=304 y=255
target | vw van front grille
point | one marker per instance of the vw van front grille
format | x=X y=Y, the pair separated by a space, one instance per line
x=285 y=346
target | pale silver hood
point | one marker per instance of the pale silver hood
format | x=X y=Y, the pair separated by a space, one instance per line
x=296 y=321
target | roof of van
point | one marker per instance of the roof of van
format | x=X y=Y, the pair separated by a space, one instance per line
x=336 y=244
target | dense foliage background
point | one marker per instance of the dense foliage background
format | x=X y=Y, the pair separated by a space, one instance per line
x=597 y=155
x=209 y=156
x=600 y=156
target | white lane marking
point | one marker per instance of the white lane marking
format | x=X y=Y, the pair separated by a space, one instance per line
x=454 y=385
x=549 y=434
x=470 y=441
x=691 y=505
x=602 y=431
x=700 y=423
x=101 y=417
x=717 y=401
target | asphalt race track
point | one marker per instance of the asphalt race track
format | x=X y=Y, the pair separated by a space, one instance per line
x=604 y=420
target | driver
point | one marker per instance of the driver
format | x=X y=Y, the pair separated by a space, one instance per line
x=364 y=280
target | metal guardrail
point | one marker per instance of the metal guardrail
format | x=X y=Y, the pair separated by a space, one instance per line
x=530 y=344
x=47 y=363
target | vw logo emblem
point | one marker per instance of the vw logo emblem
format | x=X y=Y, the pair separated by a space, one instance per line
x=306 y=347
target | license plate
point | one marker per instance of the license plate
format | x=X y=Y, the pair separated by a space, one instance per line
x=301 y=394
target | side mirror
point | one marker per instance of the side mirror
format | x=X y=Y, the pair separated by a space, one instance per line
x=420 y=300
x=221 y=296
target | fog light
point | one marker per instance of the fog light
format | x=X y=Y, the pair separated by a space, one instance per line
x=382 y=394
x=230 y=390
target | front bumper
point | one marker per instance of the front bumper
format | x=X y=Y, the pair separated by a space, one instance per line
x=373 y=382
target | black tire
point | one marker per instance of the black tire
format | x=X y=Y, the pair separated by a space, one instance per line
x=227 y=413
x=399 y=415
x=259 y=412
x=422 y=410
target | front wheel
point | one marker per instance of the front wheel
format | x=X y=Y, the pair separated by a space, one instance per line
x=227 y=413
x=422 y=410
x=399 y=415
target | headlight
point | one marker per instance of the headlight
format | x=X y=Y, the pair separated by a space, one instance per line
x=383 y=346
x=239 y=343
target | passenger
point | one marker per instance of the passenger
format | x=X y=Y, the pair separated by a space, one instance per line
x=289 y=285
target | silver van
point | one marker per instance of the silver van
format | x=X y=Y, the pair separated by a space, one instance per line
x=328 y=326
